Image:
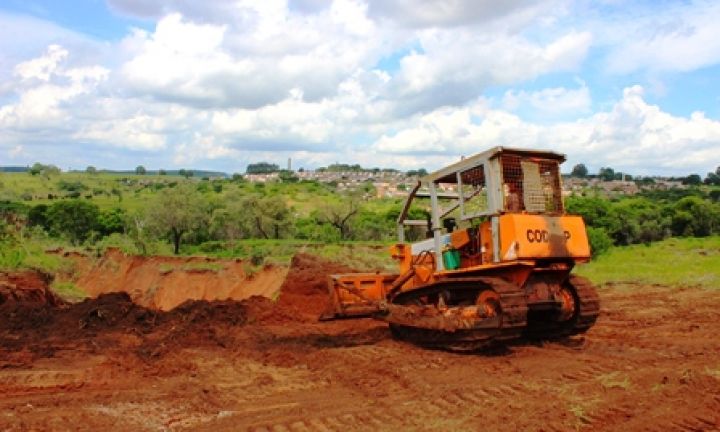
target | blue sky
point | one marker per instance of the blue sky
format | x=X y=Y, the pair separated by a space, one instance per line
x=392 y=83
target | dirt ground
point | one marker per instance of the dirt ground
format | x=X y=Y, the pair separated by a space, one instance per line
x=161 y=282
x=652 y=362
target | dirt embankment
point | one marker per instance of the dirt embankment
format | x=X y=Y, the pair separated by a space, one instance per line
x=166 y=282
x=36 y=321
x=650 y=364
x=27 y=288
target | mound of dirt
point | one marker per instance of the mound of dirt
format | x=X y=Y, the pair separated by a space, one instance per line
x=304 y=294
x=35 y=319
x=28 y=288
x=113 y=322
x=166 y=282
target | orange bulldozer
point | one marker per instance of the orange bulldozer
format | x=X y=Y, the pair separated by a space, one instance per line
x=496 y=265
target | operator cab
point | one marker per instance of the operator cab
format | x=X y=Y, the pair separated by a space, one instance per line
x=469 y=199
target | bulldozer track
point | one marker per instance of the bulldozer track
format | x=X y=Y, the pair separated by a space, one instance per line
x=588 y=309
x=512 y=318
x=339 y=422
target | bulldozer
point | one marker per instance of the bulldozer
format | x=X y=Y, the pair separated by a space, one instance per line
x=495 y=266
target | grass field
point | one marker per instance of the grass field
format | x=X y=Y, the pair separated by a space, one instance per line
x=675 y=261
x=131 y=192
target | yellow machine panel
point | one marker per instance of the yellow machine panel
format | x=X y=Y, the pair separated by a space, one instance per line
x=524 y=236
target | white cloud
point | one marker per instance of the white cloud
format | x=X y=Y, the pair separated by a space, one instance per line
x=179 y=60
x=670 y=37
x=15 y=151
x=633 y=136
x=46 y=84
x=202 y=148
x=451 y=13
x=389 y=83
x=456 y=65
x=135 y=133
x=550 y=102
x=251 y=62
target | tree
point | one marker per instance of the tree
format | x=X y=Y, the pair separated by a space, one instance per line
x=91 y=170
x=599 y=240
x=594 y=210
x=579 y=170
x=257 y=216
x=140 y=170
x=694 y=216
x=287 y=176
x=606 y=174
x=274 y=212
x=715 y=195
x=176 y=212
x=420 y=173
x=340 y=214
x=231 y=222
x=692 y=180
x=162 y=172
x=262 y=168
x=38 y=216
x=45 y=170
x=712 y=179
x=36 y=168
x=73 y=219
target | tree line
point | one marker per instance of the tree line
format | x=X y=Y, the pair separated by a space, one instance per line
x=609 y=174
x=195 y=213
x=647 y=217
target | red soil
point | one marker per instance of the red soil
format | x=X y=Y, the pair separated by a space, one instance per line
x=166 y=282
x=650 y=363
x=304 y=294
x=27 y=288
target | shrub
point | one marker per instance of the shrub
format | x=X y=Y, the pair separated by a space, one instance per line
x=600 y=241
x=74 y=219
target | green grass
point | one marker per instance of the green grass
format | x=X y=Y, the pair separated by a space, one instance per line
x=676 y=261
x=30 y=254
x=364 y=256
x=166 y=268
x=131 y=192
x=358 y=254
x=209 y=267
x=68 y=291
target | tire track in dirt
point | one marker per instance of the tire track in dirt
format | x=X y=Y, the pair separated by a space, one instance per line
x=651 y=363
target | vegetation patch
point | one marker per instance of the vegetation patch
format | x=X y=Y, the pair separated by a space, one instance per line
x=202 y=267
x=166 y=268
x=675 y=261
x=68 y=291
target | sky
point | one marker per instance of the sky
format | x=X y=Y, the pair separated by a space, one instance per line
x=403 y=84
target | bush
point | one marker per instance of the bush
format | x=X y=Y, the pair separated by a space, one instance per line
x=212 y=246
x=73 y=219
x=694 y=216
x=111 y=221
x=38 y=216
x=600 y=241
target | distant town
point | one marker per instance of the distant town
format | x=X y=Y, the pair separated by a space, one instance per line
x=388 y=182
